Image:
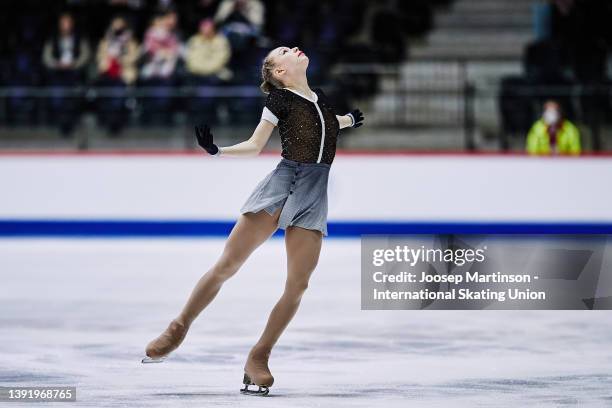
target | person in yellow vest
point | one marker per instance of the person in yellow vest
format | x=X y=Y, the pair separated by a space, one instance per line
x=553 y=134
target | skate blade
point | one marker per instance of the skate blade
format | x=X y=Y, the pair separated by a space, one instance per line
x=261 y=391
x=149 y=360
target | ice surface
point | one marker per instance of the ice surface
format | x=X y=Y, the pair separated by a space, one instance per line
x=80 y=312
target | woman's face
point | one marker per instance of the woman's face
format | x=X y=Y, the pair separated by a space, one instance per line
x=171 y=20
x=289 y=63
x=118 y=24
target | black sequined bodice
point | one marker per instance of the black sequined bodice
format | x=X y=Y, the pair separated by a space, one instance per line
x=308 y=129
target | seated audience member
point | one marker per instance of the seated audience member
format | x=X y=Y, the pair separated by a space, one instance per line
x=193 y=12
x=240 y=21
x=65 y=56
x=117 y=53
x=116 y=59
x=206 y=57
x=100 y=12
x=161 y=49
x=553 y=134
x=66 y=53
x=23 y=68
x=172 y=23
x=207 y=54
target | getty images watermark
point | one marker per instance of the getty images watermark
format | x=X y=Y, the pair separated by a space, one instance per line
x=535 y=272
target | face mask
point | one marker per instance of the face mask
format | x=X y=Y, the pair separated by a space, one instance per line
x=551 y=116
x=119 y=31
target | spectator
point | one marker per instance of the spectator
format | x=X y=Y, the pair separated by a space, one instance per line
x=161 y=52
x=208 y=53
x=206 y=57
x=99 y=12
x=65 y=56
x=172 y=22
x=118 y=53
x=564 y=6
x=553 y=134
x=66 y=53
x=23 y=64
x=161 y=49
x=161 y=4
x=193 y=12
x=116 y=58
x=240 y=21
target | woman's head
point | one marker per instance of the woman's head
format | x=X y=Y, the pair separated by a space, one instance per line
x=118 y=25
x=171 y=19
x=282 y=67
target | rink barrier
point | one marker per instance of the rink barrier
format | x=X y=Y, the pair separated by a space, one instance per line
x=338 y=229
x=162 y=196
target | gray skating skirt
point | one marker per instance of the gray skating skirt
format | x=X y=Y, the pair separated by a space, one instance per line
x=300 y=189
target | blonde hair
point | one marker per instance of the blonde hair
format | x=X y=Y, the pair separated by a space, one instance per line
x=269 y=82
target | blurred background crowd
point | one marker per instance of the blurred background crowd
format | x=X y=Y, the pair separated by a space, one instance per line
x=429 y=75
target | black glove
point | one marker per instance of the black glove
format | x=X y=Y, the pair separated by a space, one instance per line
x=205 y=139
x=356 y=118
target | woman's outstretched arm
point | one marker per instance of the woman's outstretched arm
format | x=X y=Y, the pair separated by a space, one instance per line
x=352 y=119
x=344 y=121
x=254 y=145
x=250 y=147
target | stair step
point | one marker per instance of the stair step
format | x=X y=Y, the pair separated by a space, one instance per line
x=492 y=6
x=432 y=75
x=460 y=37
x=472 y=43
x=514 y=51
x=417 y=109
x=448 y=76
x=522 y=21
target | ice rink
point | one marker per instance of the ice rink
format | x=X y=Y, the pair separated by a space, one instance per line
x=80 y=312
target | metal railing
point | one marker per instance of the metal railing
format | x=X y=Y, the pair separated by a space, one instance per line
x=469 y=94
x=417 y=94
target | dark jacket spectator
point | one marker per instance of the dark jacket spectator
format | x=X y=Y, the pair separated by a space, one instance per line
x=247 y=11
x=241 y=21
x=65 y=56
x=66 y=51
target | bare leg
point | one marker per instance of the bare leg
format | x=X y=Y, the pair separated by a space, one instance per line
x=303 y=249
x=250 y=231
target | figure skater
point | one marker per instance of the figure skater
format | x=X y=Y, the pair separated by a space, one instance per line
x=293 y=197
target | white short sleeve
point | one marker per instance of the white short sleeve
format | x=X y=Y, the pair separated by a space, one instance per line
x=269 y=116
